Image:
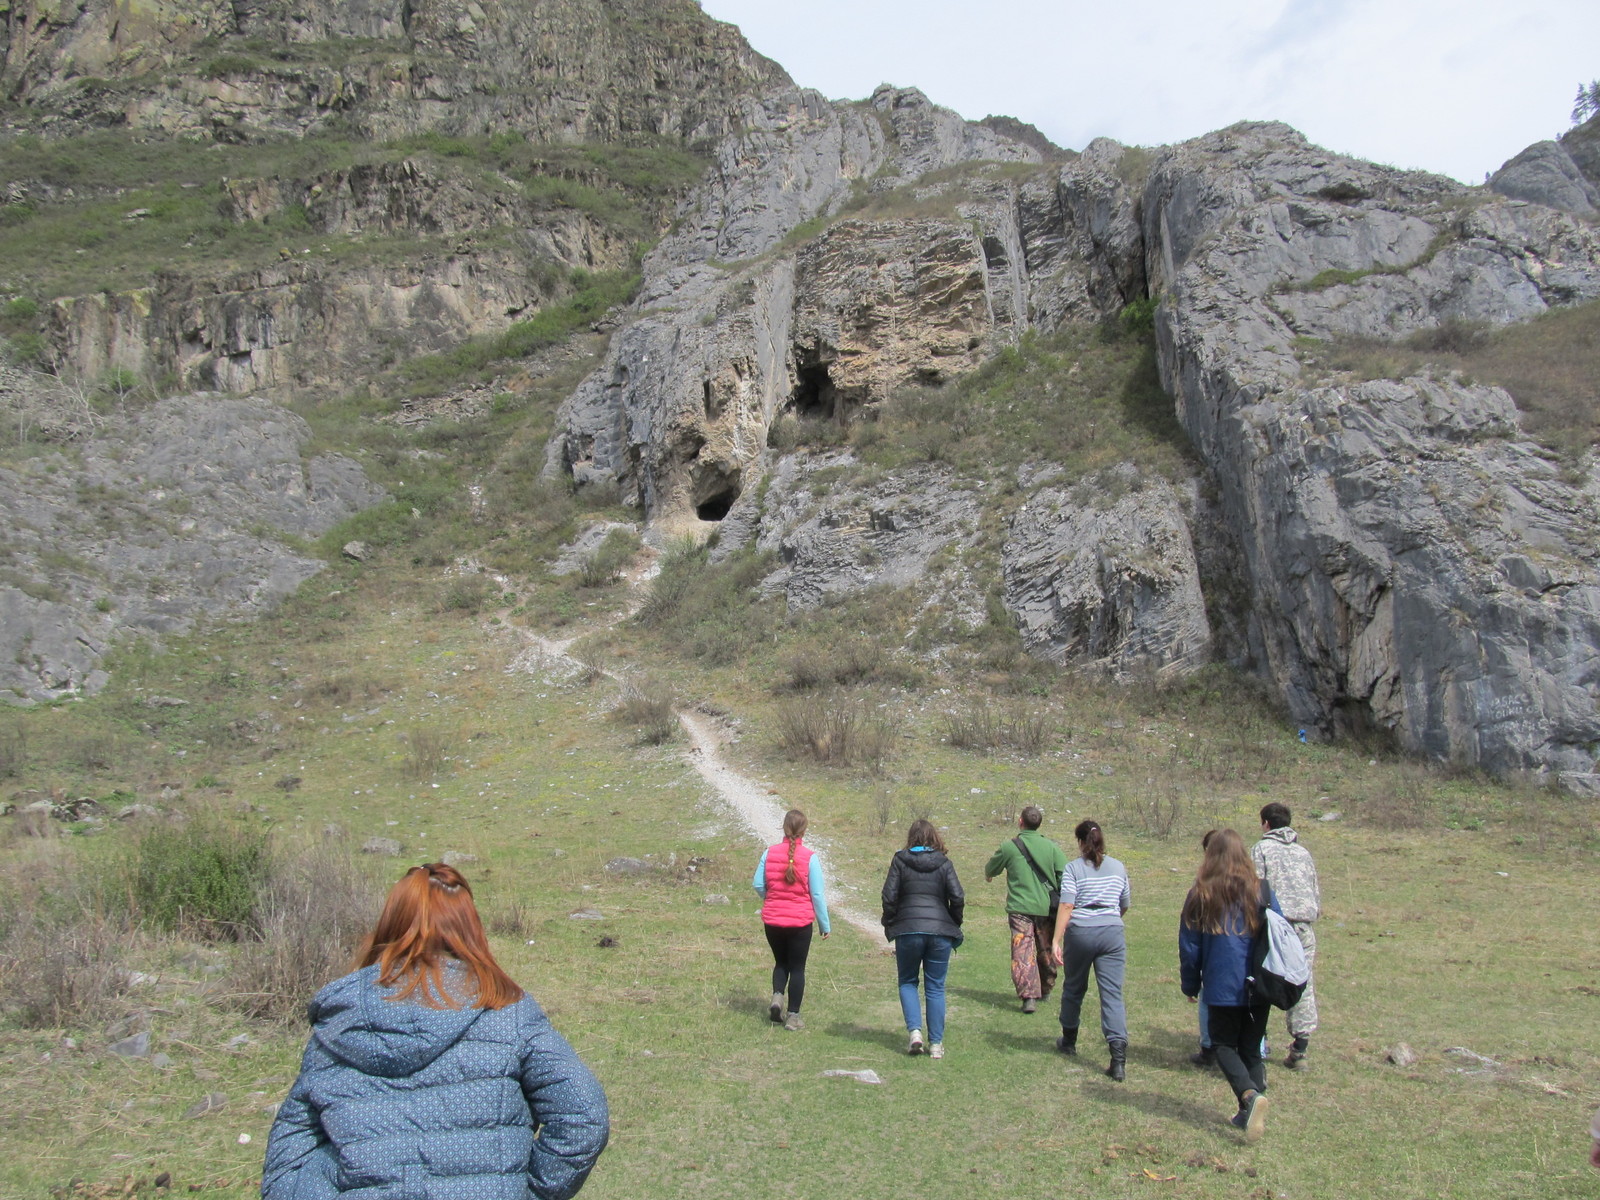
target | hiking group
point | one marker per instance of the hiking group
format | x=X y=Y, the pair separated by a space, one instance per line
x=1066 y=920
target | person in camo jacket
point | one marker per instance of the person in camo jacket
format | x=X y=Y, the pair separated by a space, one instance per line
x=1286 y=865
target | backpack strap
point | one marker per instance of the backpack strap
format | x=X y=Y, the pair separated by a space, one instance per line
x=1037 y=870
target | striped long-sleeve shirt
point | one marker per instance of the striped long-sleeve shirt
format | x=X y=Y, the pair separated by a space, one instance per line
x=1098 y=895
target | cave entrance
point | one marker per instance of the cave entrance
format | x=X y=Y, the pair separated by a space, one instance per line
x=814 y=394
x=714 y=508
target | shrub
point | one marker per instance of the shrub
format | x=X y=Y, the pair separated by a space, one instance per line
x=983 y=726
x=468 y=593
x=605 y=566
x=198 y=876
x=60 y=954
x=826 y=731
x=428 y=748
x=13 y=748
x=648 y=707
x=312 y=909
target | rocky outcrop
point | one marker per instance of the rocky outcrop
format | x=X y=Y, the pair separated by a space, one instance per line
x=1562 y=174
x=157 y=521
x=1104 y=572
x=735 y=326
x=557 y=70
x=1413 y=562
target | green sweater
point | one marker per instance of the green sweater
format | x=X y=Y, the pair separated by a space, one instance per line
x=1025 y=892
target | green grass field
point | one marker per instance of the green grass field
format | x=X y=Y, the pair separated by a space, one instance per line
x=1475 y=937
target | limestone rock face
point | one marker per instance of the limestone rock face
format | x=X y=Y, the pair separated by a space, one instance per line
x=1097 y=577
x=1562 y=174
x=156 y=521
x=679 y=413
x=603 y=70
x=1412 y=561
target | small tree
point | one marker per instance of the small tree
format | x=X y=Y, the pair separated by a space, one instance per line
x=1587 y=103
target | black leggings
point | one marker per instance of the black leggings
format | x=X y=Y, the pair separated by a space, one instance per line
x=790 y=946
x=1236 y=1035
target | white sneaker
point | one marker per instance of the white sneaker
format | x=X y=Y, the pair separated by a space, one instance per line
x=936 y=1050
x=915 y=1046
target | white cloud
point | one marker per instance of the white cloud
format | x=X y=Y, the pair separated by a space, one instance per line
x=1455 y=86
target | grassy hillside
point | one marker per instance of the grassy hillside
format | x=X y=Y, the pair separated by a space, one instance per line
x=405 y=698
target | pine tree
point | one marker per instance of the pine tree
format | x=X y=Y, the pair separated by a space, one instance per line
x=1587 y=103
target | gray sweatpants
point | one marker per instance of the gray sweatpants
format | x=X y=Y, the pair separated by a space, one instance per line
x=1104 y=948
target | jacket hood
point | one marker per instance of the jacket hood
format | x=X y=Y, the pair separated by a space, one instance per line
x=356 y=1022
x=1285 y=835
x=922 y=859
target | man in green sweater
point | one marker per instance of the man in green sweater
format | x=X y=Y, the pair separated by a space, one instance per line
x=1032 y=864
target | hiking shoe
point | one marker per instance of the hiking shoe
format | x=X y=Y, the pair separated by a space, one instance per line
x=936 y=1050
x=793 y=1023
x=1252 y=1116
x=1206 y=1056
x=1295 y=1060
x=775 y=1009
x=1030 y=1005
x=914 y=1046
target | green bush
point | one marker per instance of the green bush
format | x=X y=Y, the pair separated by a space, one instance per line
x=604 y=567
x=198 y=876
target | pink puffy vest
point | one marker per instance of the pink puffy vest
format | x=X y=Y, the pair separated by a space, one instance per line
x=788 y=904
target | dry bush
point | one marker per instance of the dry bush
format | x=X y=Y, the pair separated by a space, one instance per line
x=312 y=911
x=835 y=734
x=1159 y=810
x=428 y=748
x=61 y=956
x=845 y=661
x=91 y=752
x=648 y=706
x=1406 y=803
x=513 y=918
x=13 y=748
x=983 y=726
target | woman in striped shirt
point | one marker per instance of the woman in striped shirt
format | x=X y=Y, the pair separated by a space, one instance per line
x=1094 y=896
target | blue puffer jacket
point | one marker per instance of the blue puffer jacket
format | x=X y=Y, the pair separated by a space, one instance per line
x=397 y=1101
x=1215 y=966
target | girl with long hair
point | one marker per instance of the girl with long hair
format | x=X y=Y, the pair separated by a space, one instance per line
x=1220 y=922
x=922 y=909
x=430 y=1072
x=793 y=895
x=1089 y=933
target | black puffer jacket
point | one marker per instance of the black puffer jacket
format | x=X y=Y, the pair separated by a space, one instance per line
x=922 y=895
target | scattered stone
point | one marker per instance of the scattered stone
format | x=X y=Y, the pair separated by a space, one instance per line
x=211 y=1102
x=136 y=1046
x=586 y=914
x=164 y=702
x=608 y=943
x=131 y=811
x=866 y=1076
x=356 y=550
x=381 y=845
x=332 y=832
x=160 y=1061
x=716 y=898
x=457 y=858
x=235 y=1043
x=627 y=866
x=244 y=1139
x=1483 y=1060
x=1402 y=1055
x=1330 y=816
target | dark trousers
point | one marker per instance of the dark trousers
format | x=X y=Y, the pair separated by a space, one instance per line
x=791 y=944
x=1236 y=1035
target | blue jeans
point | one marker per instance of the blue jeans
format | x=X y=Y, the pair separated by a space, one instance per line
x=928 y=953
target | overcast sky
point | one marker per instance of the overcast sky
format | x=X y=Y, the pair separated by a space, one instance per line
x=1455 y=86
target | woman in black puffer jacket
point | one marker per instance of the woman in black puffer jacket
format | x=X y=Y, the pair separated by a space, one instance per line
x=922 y=908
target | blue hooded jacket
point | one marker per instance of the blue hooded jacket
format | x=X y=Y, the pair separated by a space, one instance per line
x=1216 y=966
x=398 y=1101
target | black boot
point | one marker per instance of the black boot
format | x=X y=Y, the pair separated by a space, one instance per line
x=1118 y=1070
x=1204 y=1057
x=1067 y=1043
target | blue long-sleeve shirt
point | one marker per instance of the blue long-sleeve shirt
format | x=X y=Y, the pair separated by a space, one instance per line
x=814 y=884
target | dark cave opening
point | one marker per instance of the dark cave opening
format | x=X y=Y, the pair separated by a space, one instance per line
x=814 y=394
x=715 y=507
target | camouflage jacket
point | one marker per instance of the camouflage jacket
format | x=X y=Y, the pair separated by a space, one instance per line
x=1287 y=867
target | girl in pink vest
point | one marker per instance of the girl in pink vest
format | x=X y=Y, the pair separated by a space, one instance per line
x=789 y=878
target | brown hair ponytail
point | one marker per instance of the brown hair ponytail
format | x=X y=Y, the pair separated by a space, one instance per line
x=1092 y=841
x=794 y=827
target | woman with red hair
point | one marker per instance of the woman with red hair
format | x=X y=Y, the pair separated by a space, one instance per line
x=430 y=1073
